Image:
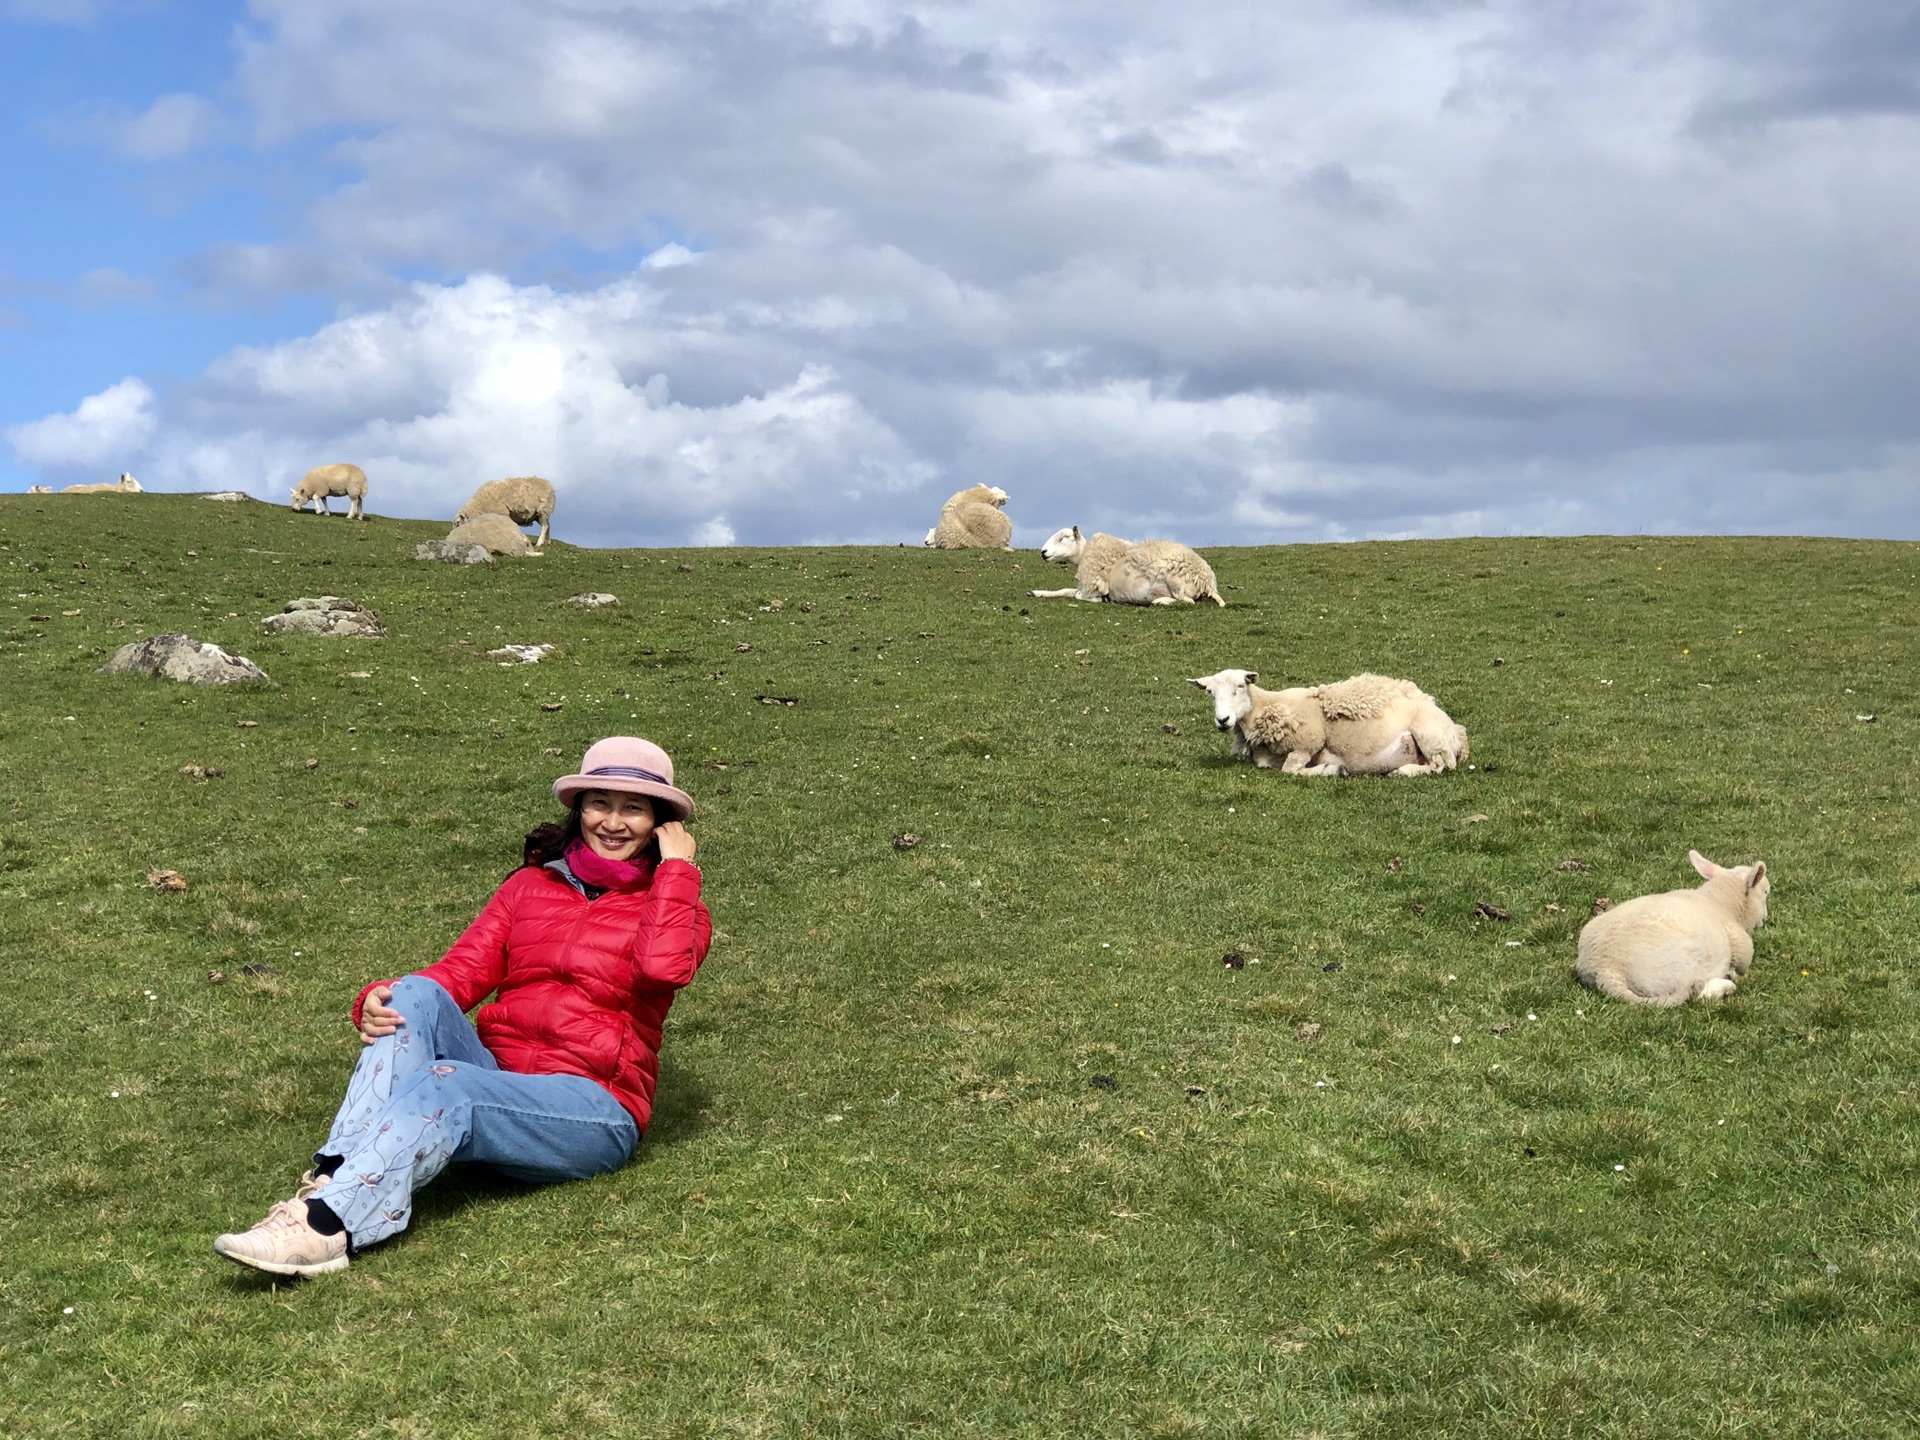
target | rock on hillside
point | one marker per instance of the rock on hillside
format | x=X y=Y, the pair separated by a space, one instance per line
x=326 y=615
x=181 y=657
x=452 y=552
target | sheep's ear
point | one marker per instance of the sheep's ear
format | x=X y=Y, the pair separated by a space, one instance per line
x=1705 y=866
x=1252 y=675
x=1198 y=684
x=1076 y=532
x=1759 y=873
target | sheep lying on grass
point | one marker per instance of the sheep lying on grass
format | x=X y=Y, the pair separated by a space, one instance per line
x=125 y=485
x=523 y=499
x=1092 y=556
x=1151 y=572
x=971 y=520
x=1368 y=725
x=39 y=489
x=497 y=534
x=1666 y=949
x=319 y=485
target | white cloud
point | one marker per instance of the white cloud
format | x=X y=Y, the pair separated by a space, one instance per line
x=109 y=430
x=1233 y=271
x=170 y=127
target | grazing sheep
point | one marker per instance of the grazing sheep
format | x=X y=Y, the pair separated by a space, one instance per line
x=496 y=533
x=125 y=485
x=971 y=520
x=1152 y=572
x=1367 y=725
x=1666 y=949
x=524 y=499
x=320 y=484
x=1092 y=556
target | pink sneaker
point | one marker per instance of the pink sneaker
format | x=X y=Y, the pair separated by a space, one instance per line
x=285 y=1244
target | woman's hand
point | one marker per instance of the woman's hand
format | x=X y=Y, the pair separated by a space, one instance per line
x=377 y=1018
x=676 y=841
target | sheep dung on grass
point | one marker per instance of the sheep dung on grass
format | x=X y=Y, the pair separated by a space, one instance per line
x=320 y=484
x=523 y=499
x=496 y=533
x=1366 y=725
x=1150 y=572
x=1667 y=949
x=125 y=485
x=972 y=520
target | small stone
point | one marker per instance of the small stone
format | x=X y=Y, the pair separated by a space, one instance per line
x=1394 y=862
x=216 y=977
x=553 y=750
x=1498 y=661
x=1331 y=967
x=326 y=615
x=905 y=841
x=1503 y=1027
x=1196 y=1092
x=684 y=569
x=778 y=699
x=246 y=724
x=1573 y=862
x=1234 y=960
x=551 y=705
x=312 y=763
x=1309 y=1031
x=1601 y=904
x=742 y=647
x=1473 y=820
x=593 y=599
x=170 y=882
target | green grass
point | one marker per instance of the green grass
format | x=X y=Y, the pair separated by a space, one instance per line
x=883 y=1195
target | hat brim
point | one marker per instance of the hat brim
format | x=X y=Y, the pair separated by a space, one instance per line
x=568 y=786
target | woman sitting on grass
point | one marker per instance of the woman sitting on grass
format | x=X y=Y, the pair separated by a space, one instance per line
x=585 y=946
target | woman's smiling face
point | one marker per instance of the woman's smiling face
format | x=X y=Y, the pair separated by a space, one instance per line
x=616 y=825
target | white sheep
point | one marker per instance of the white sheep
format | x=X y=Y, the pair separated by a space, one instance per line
x=320 y=484
x=1150 y=572
x=39 y=489
x=1366 y=725
x=125 y=485
x=971 y=520
x=1092 y=556
x=523 y=499
x=1666 y=949
x=497 y=534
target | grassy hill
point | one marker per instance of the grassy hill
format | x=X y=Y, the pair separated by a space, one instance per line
x=978 y=1137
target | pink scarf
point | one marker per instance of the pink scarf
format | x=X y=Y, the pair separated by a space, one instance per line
x=592 y=868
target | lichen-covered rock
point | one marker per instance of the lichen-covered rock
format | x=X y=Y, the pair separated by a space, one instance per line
x=326 y=615
x=497 y=533
x=451 y=553
x=593 y=599
x=174 y=656
x=228 y=496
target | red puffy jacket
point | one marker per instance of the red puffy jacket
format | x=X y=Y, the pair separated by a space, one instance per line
x=584 y=985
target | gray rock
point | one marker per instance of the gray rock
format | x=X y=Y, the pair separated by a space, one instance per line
x=451 y=553
x=174 y=656
x=227 y=495
x=326 y=615
x=593 y=599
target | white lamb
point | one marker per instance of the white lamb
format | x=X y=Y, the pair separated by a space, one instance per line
x=971 y=520
x=320 y=484
x=1666 y=949
x=1367 y=725
x=39 y=489
x=523 y=499
x=125 y=485
x=1151 y=572
x=496 y=533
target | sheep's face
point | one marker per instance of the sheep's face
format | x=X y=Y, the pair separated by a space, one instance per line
x=1232 y=699
x=996 y=496
x=1063 y=547
x=1753 y=879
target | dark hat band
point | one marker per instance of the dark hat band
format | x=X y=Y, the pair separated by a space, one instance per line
x=628 y=772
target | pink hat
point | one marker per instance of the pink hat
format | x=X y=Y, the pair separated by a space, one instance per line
x=629 y=765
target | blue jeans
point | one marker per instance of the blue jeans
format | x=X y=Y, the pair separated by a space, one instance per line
x=431 y=1092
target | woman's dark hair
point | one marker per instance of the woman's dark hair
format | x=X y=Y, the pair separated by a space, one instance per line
x=549 y=841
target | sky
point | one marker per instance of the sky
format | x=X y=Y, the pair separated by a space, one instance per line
x=793 y=271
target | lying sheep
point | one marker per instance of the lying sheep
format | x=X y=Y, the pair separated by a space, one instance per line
x=125 y=485
x=320 y=484
x=39 y=489
x=524 y=499
x=971 y=520
x=1666 y=949
x=1092 y=556
x=1151 y=572
x=1368 y=725
x=497 y=534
